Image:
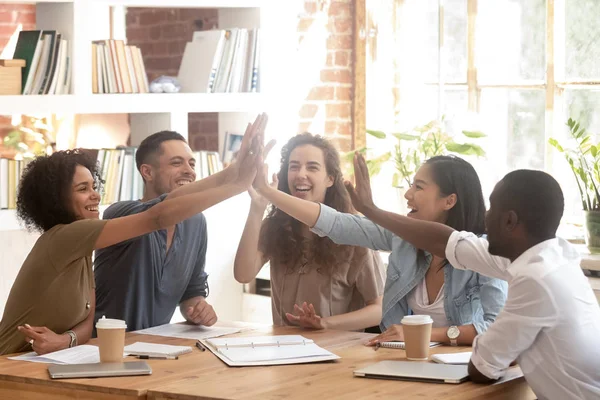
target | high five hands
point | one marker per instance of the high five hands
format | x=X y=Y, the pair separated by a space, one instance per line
x=361 y=195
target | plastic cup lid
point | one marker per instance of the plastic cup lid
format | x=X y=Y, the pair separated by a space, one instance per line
x=109 y=323
x=416 y=320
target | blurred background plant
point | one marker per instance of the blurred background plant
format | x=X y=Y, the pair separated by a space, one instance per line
x=414 y=147
x=31 y=136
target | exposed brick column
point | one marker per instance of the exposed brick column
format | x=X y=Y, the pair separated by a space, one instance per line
x=161 y=34
x=11 y=15
x=333 y=94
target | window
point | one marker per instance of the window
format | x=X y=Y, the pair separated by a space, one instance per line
x=514 y=69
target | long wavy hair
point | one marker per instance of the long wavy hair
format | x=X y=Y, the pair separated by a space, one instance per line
x=281 y=235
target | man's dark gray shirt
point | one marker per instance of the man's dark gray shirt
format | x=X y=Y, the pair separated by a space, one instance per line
x=139 y=281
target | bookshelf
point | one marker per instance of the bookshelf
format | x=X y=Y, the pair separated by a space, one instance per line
x=84 y=21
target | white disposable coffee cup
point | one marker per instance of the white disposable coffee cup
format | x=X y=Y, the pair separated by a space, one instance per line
x=417 y=335
x=111 y=339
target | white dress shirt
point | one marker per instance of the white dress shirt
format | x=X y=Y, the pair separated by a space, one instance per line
x=550 y=323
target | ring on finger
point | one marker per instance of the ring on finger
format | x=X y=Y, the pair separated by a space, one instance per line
x=31 y=341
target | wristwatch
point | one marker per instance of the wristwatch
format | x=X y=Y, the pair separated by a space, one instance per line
x=73 y=336
x=453 y=333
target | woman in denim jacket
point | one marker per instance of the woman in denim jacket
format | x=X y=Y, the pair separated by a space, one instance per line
x=462 y=304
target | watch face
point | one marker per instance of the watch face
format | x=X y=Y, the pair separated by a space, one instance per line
x=453 y=332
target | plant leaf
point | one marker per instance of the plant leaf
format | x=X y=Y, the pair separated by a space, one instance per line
x=474 y=134
x=377 y=134
x=554 y=143
x=405 y=136
x=465 y=149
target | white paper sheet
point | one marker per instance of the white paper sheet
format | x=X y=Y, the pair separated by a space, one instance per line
x=273 y=353
x=452 y=358
x=84 y=354
x=185 y=331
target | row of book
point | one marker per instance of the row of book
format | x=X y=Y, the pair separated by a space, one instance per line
x=47 y=62
x=221 y=61
x=122 y=181
x=118 y=68
x=10 y=175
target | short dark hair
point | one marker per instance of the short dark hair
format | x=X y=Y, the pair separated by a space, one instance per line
x=537 y=199
x=43 y=200
x=150 y=146
x=455 y=175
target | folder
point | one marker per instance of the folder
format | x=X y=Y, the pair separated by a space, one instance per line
x=267 y=350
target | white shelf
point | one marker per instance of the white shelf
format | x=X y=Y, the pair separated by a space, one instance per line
x=132 y=103
x=187 y=3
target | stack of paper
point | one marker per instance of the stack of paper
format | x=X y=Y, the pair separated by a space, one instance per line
x=187 y=331
x=84 y=354
x=156 y=350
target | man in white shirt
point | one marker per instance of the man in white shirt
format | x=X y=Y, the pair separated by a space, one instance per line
x=550 y=323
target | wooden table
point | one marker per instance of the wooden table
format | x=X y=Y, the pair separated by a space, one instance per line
x=201 y=375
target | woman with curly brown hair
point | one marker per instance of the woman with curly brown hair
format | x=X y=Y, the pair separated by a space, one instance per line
x=51 y=304
x=341 y=285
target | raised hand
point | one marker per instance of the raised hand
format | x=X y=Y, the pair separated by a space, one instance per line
x=306 y=317
x=254 y=134
x=258 y=201
x=361 y=195
x=43 y=340
x=262 y=169
x=393 y=333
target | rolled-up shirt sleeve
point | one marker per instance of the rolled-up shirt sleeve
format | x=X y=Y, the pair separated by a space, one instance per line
x=530 y=308
x=465 y=250
x=349 y=229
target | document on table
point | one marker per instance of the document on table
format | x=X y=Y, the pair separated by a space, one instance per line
x=84 y=354
x=188 y=331
x=267 y=350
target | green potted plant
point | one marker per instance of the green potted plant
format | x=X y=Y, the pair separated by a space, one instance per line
x=582 y=156
x=414 y=147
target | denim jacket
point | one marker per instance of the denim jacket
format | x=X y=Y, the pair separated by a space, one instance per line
x=469 y=298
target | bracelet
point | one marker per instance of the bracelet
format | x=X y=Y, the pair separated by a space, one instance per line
x=73 y=336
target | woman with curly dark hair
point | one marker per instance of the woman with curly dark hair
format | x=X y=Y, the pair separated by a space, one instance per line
x=343 y=285
x=51 y=304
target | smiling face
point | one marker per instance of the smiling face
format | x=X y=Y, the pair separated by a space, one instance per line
x=307 y=174
x=84 y=197
x=425 y=200
x=173 y=167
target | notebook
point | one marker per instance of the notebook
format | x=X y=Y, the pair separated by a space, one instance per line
x=156 y=350
x=415 y=371
x=400 y=345
x=96 y=370
x=267 y=350
x=452 y=358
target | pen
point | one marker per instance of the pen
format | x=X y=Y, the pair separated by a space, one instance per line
x=377 y=346
x=199 y=345
x=145 y=357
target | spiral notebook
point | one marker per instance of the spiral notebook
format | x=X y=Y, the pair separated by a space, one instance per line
x=267 y=350
x=400 y=345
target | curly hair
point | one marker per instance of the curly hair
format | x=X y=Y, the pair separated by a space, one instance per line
x=281 y=235
x=44 y=194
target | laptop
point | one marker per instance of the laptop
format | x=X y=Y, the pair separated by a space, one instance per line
x=415 y=371
x=99 y=370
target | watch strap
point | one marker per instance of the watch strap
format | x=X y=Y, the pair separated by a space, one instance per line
x=73 y=336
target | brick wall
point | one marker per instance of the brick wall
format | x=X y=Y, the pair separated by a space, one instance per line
x=161 y=34
x=332 y=96
x=11 y=15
